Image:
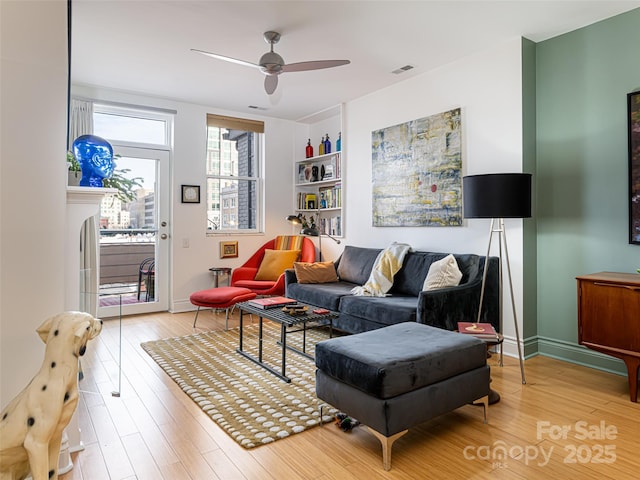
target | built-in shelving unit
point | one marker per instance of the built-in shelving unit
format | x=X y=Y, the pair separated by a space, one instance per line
x=318 y=180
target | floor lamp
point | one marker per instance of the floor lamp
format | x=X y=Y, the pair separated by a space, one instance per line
x=498 y=196
x=311 y=232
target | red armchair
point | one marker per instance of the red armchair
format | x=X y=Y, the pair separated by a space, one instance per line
x=244 y=276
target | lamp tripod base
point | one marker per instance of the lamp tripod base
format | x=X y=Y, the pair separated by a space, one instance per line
x=502 y=242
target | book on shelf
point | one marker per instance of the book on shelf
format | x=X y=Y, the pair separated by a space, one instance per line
x=310 y=201
x=271 y=302
x=480 y=330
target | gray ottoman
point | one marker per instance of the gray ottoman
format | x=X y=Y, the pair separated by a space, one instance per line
x=396 y=377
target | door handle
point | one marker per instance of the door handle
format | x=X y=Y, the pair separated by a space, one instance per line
x=164 y=236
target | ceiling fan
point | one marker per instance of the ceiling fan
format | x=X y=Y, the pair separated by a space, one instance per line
x=272 y=64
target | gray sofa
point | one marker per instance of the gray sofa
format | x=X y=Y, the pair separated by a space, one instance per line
x=407 y=302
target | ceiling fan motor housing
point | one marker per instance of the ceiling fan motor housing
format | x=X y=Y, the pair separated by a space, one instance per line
x=271 y=63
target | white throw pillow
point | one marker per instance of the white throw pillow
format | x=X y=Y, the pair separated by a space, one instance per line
x=443 y=273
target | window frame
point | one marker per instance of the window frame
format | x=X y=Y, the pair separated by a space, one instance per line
x=257 y=128
x=146 y=113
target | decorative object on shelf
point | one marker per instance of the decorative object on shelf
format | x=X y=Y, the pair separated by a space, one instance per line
x=190 y=193
x=309 y=149
x=314 y=174
x=339 y=142
x=74 y=170
x=228 y=249
x=407 y=160
x=95 y=157
x=633 y=101
x=307 y=172
x=498 y=196
x=327 y=145
x=321 y=147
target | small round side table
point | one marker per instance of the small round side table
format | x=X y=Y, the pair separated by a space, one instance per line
x=217 y=272
x=494 y=397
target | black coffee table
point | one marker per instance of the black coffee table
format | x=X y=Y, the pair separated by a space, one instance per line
x=288 y=324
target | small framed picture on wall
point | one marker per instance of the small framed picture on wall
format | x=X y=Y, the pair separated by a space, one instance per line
x=190 y=193
x=228 y=249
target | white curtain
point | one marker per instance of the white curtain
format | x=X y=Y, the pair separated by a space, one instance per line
x=81 y=123
x=80 y=119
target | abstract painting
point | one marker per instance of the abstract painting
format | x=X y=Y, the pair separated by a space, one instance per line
x=417 y=172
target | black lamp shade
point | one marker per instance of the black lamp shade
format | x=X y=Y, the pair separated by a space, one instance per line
x=497 y=195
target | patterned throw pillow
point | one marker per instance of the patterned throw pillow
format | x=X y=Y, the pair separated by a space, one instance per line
x=443 y=273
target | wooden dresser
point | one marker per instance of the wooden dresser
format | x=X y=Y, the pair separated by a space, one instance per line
x=609 y=318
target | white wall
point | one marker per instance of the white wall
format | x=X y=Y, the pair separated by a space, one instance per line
x=190 y=265
x=32 y=182
x=488 y=89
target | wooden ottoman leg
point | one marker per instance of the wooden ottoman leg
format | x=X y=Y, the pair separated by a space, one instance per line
x=387 y=443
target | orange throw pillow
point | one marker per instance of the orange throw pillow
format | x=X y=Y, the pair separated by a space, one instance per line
x=317 y=272
x=275 y=262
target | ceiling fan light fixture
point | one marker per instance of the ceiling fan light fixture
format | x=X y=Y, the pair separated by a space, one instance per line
x=271 y=63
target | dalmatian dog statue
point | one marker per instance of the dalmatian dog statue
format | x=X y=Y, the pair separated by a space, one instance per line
x=31 y=425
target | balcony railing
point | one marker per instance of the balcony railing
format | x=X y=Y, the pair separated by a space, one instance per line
x=122 y=252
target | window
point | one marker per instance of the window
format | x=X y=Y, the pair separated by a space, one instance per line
x=131 y=125
x=234 y=156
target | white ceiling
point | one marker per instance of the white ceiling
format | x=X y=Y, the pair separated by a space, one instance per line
x=143 y=46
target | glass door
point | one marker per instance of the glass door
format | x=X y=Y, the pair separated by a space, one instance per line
x=134 y=234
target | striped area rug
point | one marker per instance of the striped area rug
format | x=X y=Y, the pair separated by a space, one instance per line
x=252 y=405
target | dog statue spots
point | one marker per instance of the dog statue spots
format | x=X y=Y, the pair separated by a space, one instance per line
x=32 y=424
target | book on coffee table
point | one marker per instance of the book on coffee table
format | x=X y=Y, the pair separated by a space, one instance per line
x=271 y=302
x=480 y=330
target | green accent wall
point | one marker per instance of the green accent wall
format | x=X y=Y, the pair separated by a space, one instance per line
x=582 y=219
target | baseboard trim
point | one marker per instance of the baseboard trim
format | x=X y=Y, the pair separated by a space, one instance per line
x=565 y=351
x=574 y=353
x=181 y=306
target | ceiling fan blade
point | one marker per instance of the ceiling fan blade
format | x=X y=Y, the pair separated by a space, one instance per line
x=270 y=83
x=314 y=65
x=226 y=59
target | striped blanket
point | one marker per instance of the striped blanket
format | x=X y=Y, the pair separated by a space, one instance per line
x=387 y=264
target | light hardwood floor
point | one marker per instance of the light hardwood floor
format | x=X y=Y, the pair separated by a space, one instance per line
x=567 y=422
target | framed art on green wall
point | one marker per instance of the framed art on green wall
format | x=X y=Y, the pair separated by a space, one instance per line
x=634 y=167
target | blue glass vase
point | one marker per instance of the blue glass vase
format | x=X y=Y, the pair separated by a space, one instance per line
x=95 y=156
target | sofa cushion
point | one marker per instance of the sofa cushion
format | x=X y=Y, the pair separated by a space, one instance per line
x=383 y=310
x=401 y=358
x=316 y=272
x=325 y=295
x=410 y=278
x=275 y=262
x=356 y=263
x=443 y=273
x=470 y=265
